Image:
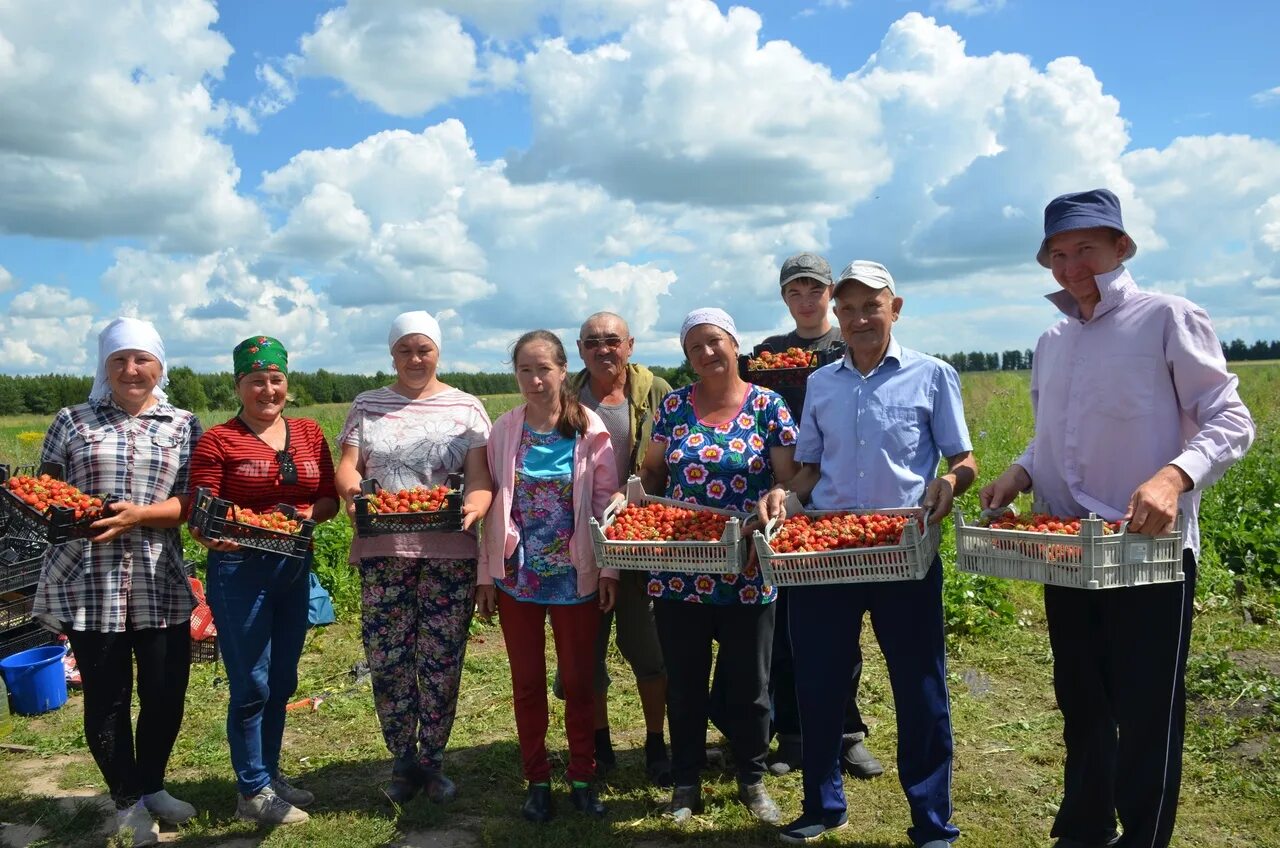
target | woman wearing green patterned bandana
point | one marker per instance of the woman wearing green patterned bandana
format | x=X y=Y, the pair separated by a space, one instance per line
x=260 y=353
x=257 y=460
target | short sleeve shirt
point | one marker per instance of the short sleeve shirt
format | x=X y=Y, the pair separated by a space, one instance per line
x=725 y=466
x=879 y=437
x=405 y=443
x=794 y=395
x=138 y=577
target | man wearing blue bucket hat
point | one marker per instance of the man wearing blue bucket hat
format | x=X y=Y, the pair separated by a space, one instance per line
x=1135 y=414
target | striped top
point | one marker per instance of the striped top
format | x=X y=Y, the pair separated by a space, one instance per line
x=137 y=578
x=233 y=463
x=404 y=443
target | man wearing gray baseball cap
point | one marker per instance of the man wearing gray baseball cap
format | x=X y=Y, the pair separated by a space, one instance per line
x=875 y=425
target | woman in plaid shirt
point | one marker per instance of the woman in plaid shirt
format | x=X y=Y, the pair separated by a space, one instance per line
x=124 y=594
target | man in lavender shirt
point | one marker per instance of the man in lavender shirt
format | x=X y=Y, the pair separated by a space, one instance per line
x=1135 y=415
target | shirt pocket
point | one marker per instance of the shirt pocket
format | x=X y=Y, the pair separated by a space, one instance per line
x=166 y=440
x=1127 y=390
x=65 y=567
x=86 y=441
x=901 y=430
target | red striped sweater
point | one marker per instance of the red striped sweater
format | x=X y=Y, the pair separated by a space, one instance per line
x=235 y=464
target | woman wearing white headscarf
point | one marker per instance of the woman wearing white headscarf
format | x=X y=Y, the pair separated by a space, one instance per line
x=720 y=442
x=417 y=589
x=123 y=595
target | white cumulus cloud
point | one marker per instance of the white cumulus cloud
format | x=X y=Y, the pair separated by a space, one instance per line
x=109 y=126
x=402 y=56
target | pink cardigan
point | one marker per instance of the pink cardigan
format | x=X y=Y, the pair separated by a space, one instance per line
x=595 y=479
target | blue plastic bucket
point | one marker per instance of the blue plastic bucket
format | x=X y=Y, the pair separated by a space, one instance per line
x=36 y=680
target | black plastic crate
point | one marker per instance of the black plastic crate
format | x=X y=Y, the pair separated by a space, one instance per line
x=20 y=564
x=29 y=635
x=15 y=608
x=786 y=378
x=204 y=650
x=446 y=520
x=56 y=525
x=212 y=517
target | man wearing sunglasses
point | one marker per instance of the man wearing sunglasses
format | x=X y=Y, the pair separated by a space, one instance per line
x=625 y=396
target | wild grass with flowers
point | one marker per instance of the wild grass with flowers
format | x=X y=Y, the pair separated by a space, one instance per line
x=1008 y=768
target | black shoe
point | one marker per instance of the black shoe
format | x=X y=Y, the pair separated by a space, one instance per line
x=657 y=764
x=606 y=759
x=537 y=804
x=757 y=800
x=857 y=761
x=439 y=789
x=406 y=781
x=686 y=802
x=585 y=800
x=787 y=758
x=808 y=828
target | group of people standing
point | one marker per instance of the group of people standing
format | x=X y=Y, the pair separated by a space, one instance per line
x=868 y=432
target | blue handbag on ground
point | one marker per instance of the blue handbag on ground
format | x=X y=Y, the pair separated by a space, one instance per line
x=319 y=605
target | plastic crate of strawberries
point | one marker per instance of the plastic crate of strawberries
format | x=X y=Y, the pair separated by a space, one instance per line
x=1081 y=553
x=41 y=506
x=647 y=533
x=787 y=369
x=814 y=547
x=421 y=509
x=277 y=531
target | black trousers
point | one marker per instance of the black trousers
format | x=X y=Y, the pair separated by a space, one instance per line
x=744 y=633
x=1119 y=663
x=133 y=767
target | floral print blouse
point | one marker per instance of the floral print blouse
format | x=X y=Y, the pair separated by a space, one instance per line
x=725 y=466
x=540 y=570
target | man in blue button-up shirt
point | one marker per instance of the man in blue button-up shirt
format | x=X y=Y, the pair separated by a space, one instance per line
x=874 y=427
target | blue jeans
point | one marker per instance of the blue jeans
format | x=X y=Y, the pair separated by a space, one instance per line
x=259 y=603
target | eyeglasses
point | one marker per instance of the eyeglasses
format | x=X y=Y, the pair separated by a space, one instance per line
x=611 y=342
x=288 y=470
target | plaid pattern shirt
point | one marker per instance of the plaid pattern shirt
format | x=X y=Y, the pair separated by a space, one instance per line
x=137 y=579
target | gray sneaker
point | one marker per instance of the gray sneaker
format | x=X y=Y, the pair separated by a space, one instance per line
x=137 y=821
x=269 y=808
x=286 y=790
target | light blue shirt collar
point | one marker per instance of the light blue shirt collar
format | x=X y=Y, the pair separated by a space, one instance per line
x=892 y=352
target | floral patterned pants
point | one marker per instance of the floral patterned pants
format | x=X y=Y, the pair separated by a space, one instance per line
x=415 y=614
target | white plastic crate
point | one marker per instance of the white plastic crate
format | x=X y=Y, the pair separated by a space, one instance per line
x=723 y=557
x=1091 y=560
x=910 y=559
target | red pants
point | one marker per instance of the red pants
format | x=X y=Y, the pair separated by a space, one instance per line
x=574 y=627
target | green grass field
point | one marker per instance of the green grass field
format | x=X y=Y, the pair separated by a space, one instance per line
x=1008 y=765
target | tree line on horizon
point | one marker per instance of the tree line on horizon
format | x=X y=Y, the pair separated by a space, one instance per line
x=45 y=394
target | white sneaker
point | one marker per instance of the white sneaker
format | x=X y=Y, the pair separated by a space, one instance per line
x=138 y=821
x=168 y=808
x=269 y=808
x=286 y=790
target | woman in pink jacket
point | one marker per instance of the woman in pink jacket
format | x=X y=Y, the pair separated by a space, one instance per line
x=553 y=471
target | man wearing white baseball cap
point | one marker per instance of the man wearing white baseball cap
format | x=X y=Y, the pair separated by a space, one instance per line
x=875 y=425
